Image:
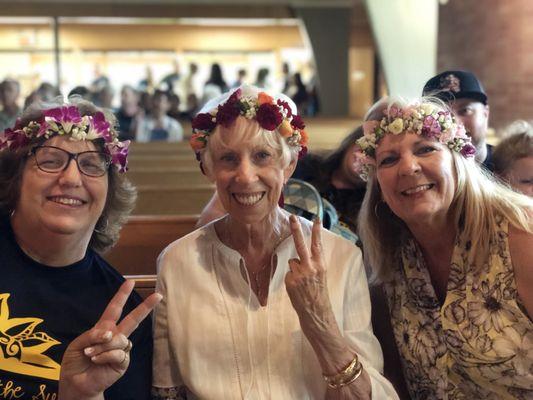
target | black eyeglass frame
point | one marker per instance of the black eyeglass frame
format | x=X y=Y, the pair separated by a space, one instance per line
x=72 y=156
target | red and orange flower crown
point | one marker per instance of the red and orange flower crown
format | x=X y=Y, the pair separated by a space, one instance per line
x=270 y=114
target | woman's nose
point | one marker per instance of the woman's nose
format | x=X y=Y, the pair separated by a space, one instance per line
x=408 y=164
x=246 y=171
x=71 y=175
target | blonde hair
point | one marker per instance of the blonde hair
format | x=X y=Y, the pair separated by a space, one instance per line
x=477 y=204
x=249 y=129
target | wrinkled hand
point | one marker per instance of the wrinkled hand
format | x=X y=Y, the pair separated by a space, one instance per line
x=306 y=281
x=99 y=357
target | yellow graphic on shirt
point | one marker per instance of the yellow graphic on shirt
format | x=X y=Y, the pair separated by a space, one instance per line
x=21 y=348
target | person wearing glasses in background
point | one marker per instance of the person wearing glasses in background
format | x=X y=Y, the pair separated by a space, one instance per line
x=63 y=200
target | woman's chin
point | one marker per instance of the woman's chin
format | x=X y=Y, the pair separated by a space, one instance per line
x=66 y=226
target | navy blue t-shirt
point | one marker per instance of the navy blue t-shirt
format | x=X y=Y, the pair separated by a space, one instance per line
x=43 y=308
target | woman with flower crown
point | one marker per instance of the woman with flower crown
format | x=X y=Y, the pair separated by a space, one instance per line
x=259 y=304
x=453 y=250
x=63 y=200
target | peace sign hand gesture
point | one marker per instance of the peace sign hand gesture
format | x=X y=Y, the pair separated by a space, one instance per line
x=99 y=357
x=306 y=281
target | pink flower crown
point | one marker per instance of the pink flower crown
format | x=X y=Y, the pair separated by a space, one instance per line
x=66 y=120
x=424 y=119
x=271 y=115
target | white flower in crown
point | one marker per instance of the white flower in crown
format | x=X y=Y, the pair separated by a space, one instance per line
x=427 y=108
x=78 y=134
x=396 y=127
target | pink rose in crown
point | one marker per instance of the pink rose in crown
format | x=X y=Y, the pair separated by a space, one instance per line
x=468 y=150
x=430 y=127
x=394 y=112
x=369 y=127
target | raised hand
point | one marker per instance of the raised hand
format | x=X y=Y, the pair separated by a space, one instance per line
x=306 y=281
x=99 y=357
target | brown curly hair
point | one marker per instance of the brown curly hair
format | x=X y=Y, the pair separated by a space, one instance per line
x=121 y=194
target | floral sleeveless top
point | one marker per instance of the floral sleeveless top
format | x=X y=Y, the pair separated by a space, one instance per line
x=479 y=344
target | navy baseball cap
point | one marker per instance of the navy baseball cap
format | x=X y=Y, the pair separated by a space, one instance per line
x=451 y=85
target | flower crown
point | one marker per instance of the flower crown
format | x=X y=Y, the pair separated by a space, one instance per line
x=270 y=115
x=66 y=120
x=424 y=119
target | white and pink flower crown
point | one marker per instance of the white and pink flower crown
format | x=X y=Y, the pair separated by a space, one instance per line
x=270 y=114
x=424 y=119
x=66 y=120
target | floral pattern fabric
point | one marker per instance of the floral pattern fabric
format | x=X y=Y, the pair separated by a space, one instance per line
x=479 y=344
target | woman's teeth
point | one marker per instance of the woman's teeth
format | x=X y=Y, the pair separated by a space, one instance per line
x=417 y=189
x=248 y=199
x=67 y=201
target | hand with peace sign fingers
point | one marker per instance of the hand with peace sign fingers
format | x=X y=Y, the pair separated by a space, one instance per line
x=306 y=284
x=96 y=359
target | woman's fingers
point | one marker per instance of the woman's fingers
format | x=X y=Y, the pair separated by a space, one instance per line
x=113 y=311
x=299 y=241
x=92 y=337
x=316 y=239
x=118 y=357
x=118 y=342
x=136 y=316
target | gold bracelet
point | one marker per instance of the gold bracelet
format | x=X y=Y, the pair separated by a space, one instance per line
x=349 y=374
x=349 y=379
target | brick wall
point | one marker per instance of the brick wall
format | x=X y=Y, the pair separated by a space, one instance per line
x=493 y=39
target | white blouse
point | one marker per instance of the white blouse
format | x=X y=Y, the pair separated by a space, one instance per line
x=212 y=335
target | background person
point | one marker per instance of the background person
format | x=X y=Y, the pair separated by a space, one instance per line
x=63 y=200
x=158 y=126
x=513 y=157
x=9 y=94
x=129 y=113
x=335 y=177
x=453 y=249
x=468 y=100
x=273 y=313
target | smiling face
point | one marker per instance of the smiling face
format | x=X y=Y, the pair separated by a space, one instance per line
x=416 y=178
x=65 y=202
x=520 y=175
x=248 y=172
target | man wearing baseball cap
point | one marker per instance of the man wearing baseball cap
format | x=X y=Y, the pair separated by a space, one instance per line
x=465 y=95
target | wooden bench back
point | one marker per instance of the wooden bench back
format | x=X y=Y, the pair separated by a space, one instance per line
x=167 y=176
x=144 y=284
x=173 y=199
x=143 y=238
x=138 y=163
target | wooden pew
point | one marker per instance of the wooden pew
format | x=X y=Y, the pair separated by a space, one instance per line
x=167 y=176
x=160 y=148
x=144 y=284
x=173 y=199
x=137 y=163
x=143 y=238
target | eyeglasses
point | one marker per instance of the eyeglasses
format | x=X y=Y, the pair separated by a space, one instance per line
x=54 y=159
